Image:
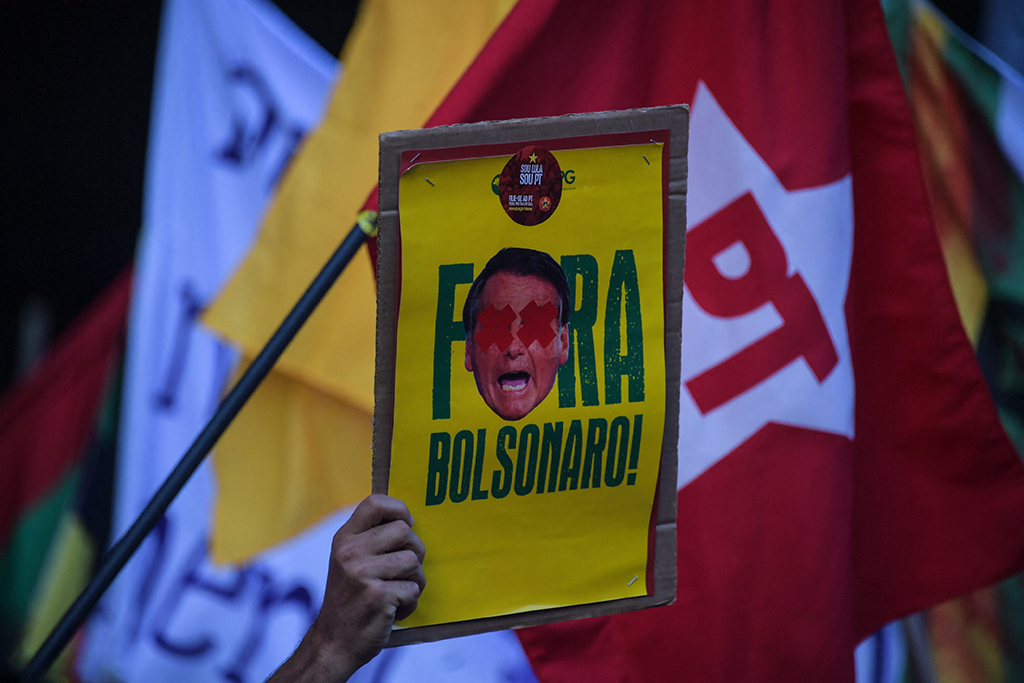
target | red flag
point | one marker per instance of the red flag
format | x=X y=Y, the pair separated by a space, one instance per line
x=47 y=418
x=841 y=463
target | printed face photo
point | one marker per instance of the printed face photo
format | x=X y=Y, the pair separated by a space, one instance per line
x=518 y=342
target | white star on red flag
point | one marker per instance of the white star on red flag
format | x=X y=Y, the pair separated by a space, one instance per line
x=814 y=227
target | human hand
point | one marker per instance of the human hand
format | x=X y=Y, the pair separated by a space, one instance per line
x=375 y=578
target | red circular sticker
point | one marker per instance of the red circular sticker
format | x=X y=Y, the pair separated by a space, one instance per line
x=530 y=185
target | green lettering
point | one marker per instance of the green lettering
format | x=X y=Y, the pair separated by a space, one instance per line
x=571 y=461
x=437 y=467
x=478 y=465
x=618 y=446
x=597 y=433
x=462 y=458
x=447 y=331
x=580 y=268
x=526 y=460
x=551 y=446
x=623 y=289
x=634 y=448
x=500 y=486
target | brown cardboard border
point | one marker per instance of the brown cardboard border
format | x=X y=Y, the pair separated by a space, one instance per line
x=673 y=118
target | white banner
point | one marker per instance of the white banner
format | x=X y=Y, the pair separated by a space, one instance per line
x=237 y=87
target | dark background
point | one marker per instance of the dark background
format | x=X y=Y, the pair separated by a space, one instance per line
x=78 y=78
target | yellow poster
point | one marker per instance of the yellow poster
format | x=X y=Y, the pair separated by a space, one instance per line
x=529 y=396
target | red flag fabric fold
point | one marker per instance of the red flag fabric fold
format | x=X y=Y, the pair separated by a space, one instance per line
x=816 y=503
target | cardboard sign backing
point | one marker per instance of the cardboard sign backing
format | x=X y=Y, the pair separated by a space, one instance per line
x=527 y=411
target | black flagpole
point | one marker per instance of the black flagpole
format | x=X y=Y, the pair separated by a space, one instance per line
x=114 y=560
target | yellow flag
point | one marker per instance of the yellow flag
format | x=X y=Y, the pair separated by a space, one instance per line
x=946 y=159
x=301 y=447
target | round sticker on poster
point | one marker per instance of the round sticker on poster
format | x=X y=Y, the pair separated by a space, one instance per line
x=530 y=185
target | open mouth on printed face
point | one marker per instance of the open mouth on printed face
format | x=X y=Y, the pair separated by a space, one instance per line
x=514 y=382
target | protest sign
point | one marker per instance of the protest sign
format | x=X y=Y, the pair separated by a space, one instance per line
x=530 y=282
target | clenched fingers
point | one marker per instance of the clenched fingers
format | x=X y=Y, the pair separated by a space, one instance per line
x=392 y=536
x=375 y=510
x=407 y=595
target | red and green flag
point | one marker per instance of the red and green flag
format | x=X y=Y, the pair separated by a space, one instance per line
x=969 y=109
x=841 y=462
x=56 y=426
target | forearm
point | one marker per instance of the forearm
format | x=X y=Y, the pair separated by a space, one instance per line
x=315 y=661
x=375 y=576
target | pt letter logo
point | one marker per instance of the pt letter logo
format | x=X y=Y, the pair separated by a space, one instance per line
x=767 y=270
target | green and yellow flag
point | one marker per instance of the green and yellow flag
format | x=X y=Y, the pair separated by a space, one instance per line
x=969 y=111
x=301 y=447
